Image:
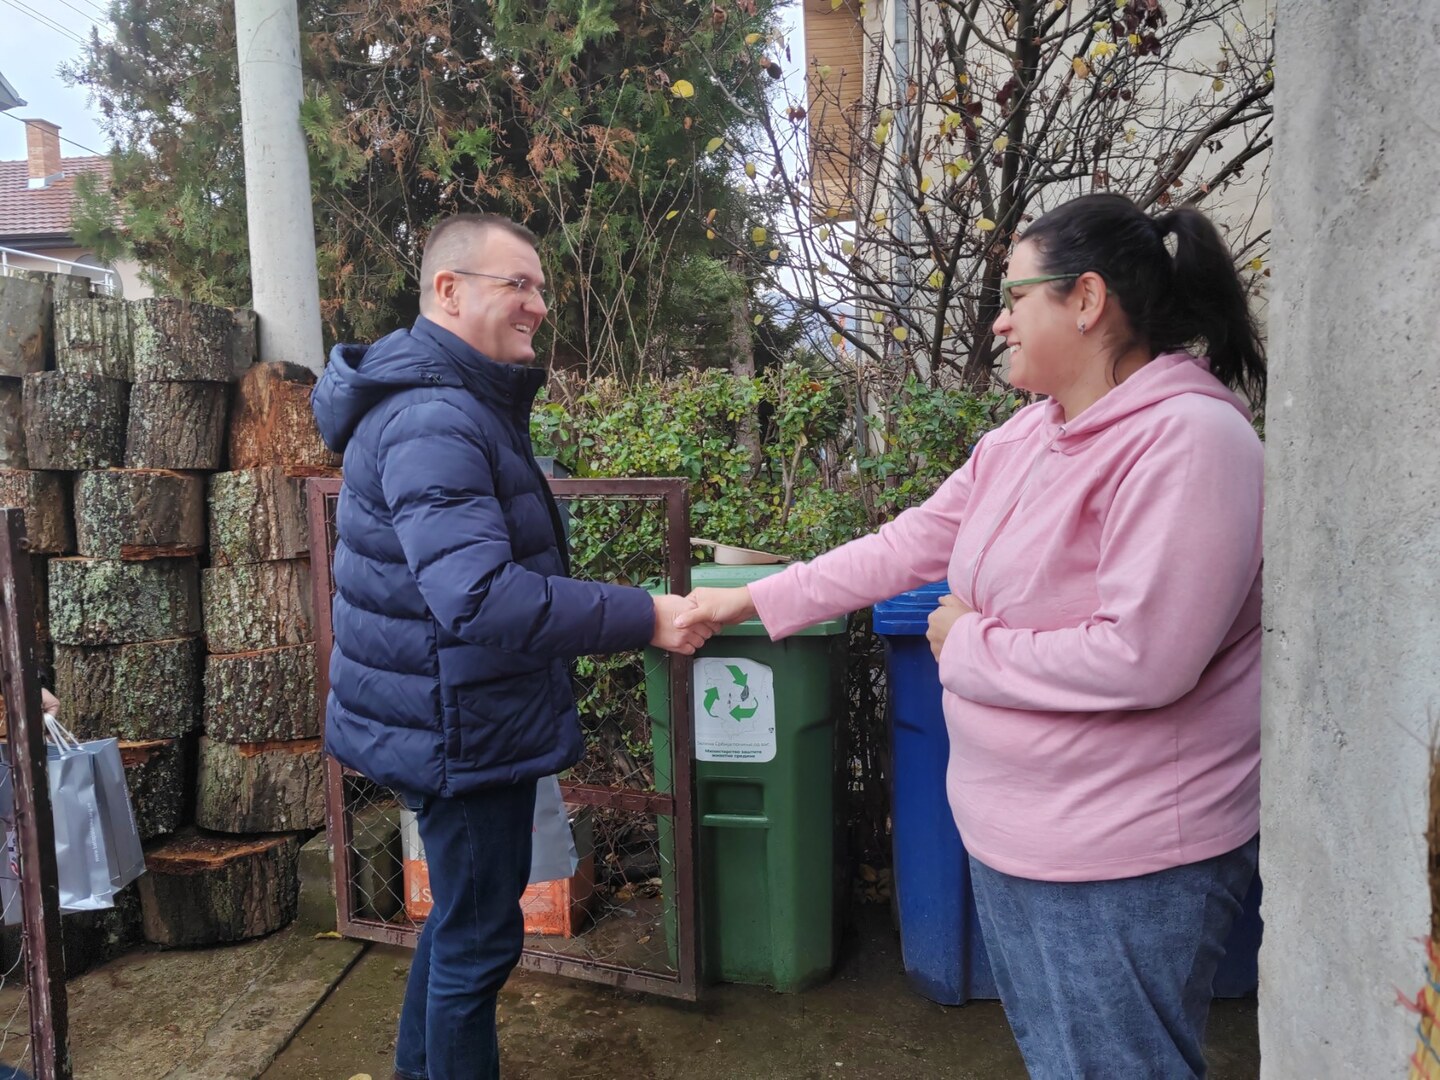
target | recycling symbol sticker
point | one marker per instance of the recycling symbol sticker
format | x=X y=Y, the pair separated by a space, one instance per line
x=734 y=710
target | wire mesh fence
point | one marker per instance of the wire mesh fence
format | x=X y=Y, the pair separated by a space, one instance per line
x=627 y=915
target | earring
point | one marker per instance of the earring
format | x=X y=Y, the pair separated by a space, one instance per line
x=1081 y=327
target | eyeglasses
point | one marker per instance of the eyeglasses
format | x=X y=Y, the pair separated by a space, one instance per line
x=1007 y=297
x=522 y=285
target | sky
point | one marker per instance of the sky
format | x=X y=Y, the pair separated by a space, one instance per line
x=36 y=37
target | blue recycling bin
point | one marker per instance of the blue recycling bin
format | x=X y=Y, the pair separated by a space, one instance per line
x=940 y=938
x=940 y=941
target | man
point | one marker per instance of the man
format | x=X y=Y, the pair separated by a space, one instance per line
x=455 y=618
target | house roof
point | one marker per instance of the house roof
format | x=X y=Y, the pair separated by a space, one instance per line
x=9 y=99
x=41 y=214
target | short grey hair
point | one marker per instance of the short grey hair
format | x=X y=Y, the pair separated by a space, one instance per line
x=450 y=240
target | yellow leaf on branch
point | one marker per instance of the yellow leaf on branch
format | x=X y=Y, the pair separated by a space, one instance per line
x=672 y=215
x=900 y=333
x=1001 y=143
x=985 y=225
x=823 y=234
x=758 y=235
x=750 y=169
x=847 y=246
x=925 y=184
x=751 y=39
x=1082 y=69
x=683 y=88
x=935 y=280
x=714 y=144
x=758 y=319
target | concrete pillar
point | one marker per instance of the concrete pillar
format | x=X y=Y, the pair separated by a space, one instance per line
x=284 y=282
x=1352 y=536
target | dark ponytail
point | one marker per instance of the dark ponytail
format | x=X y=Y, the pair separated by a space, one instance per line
x=1193 y=299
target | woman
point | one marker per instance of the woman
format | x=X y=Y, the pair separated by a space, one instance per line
x=1100 y=654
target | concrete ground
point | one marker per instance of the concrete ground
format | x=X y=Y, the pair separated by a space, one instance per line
x=191 y=1014
x=864 y=1022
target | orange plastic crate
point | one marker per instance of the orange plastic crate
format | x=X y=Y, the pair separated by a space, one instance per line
x=557 y=908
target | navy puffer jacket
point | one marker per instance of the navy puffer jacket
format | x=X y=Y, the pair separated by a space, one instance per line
x=454 y=615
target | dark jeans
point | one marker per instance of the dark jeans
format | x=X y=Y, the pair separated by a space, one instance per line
x=478 y=850
x=1112 y=979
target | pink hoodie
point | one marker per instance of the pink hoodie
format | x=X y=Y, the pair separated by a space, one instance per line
x=1103 y=703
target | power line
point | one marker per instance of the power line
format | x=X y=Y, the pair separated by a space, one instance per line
x=88 y=18
x=62 y=138
x=43 y=20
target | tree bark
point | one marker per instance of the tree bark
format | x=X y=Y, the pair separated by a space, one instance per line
x=257 y=515
x=74 y=422
x=40 y=590
x=266 y=696
x=26 y=307
x=92 y=337
x=201 y=890
x=12 y=425
x=176 y=425
x=260 y=787
x=155 y=775
x=182 y=341
x=257 y=606
x=148 y=690
x=45 y=498
x=139 y=514
x=272 y=424
x=108 y=602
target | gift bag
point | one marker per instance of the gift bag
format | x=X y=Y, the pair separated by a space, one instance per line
x=82 y=855
x=117 y=818
x=552 y=854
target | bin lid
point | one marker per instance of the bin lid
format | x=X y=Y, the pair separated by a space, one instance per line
x=909 y=613
x=710 y=575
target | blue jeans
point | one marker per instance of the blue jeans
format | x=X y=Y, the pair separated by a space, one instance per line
x=478 y=850
x=1112 y=978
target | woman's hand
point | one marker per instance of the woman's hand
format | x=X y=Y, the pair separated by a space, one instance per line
x=943 y=619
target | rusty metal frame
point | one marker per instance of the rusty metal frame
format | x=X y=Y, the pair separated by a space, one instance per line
x=678 y=805
x=34 y=820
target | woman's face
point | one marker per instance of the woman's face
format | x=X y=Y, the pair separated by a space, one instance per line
x=1041 y=330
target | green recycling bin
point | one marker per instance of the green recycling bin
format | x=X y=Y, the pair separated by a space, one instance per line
x=766 y=717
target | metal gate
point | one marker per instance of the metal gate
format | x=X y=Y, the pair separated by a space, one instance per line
x=34 y=1016
x=628 y=917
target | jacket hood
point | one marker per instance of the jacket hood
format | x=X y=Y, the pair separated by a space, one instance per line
x=359 y=377
x=1167 y=376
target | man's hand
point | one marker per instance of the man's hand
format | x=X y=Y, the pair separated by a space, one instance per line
x=943 y=619
x=49 y=703
x=718 y=607
x=670 y=635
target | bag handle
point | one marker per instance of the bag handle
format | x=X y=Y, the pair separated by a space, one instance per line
x=60 y=734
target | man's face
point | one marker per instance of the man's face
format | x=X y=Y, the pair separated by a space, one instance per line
x=493 y=315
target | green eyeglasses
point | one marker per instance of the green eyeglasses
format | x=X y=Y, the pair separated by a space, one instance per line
x=1007 y=297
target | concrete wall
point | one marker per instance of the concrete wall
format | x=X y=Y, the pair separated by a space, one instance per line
x=1352 y=561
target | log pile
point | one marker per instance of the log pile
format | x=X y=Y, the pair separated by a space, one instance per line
x=161 y=473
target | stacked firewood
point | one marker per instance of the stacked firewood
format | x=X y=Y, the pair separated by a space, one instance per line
x=161 y=470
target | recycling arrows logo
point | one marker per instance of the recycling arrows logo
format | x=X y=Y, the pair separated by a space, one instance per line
x=745 y=706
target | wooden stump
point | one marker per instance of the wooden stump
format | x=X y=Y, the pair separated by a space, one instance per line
x=108 y=602
x=74 y=422
x=139 y=514
x=272 y=424
x=12 y=425
x=257 y=515
x=155 y=775
x=148 y=690
x=182 y=341
x=260 y=787
x=202 y=890
x=176 y=425
x=46 y=500
x=257 y=606
x=266 y=696
x=92 y=337
x=26 y=307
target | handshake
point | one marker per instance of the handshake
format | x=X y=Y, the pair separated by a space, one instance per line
x=684 y=623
